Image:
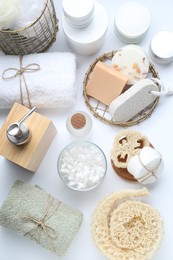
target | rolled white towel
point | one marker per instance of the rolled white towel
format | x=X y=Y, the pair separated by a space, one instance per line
x=52 y=86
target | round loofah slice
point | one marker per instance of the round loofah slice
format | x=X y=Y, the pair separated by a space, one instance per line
x=127 y=143
x=123 y=173
x=126 y=229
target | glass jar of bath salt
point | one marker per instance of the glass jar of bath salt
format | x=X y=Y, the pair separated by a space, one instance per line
x=82 y=166
x=132 y=21
x=84 y=24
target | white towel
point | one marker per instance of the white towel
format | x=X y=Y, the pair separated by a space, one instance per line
x=51 y=87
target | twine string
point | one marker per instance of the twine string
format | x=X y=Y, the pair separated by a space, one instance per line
x=149 y=172
x=19 y=72
x=40 y=224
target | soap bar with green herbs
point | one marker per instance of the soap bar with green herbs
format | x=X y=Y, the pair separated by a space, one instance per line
x=32 y=212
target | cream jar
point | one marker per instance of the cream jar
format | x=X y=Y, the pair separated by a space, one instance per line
x=132 y=22
x=161 y=47
x=85 y=26
x=79 y=124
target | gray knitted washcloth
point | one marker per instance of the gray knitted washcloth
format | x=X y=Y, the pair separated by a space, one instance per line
x=33 y=213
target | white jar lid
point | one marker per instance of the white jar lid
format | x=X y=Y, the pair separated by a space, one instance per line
x=79 y=124
x=77 y=12
x=161 y=47
x=90 y=39
x=132 y=21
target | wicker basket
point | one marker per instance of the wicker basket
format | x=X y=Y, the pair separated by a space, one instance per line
x=100 y=110
x=37 y=37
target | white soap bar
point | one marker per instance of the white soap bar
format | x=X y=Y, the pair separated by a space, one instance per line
x=133 y=100
x=145 y=166
x=131 y=61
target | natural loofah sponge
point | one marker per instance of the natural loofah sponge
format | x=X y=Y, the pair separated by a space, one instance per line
x=127 y=143
x=126 y=229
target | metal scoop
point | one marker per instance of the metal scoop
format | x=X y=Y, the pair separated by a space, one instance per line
x=18 y=133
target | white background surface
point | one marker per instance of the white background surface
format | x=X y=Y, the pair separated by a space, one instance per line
x=158 y=128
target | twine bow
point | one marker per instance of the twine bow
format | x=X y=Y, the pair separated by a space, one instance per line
x=33 y=67
x=40 y=224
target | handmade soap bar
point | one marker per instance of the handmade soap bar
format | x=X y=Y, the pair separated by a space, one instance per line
x=35 y=214
x=131 y=61
x=146 y=165
x=105 y=83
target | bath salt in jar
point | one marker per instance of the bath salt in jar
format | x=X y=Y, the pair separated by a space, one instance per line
x=82 y=166
x=84 y=24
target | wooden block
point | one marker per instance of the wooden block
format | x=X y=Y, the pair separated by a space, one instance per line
x=30 y=155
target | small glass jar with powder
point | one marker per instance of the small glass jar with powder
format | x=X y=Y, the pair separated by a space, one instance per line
x=84 y=24
x=132 y=21
x=82 y=166
x=79 y=124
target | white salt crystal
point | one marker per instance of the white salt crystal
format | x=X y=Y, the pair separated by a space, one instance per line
x=83 y=164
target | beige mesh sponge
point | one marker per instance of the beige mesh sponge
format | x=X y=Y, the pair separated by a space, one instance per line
x=125 y=229
x=127 y=143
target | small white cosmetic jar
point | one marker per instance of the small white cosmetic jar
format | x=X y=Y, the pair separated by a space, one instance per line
x=84 y=24
x=132 y=22
x=82 y=166
x=161 y=47
x=79 y=124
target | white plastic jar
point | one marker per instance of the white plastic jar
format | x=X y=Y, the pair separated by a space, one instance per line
x=84 y=24
x=79 y=124
x=161 y=47
x=132 y=22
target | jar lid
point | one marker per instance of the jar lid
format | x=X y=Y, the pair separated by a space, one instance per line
x=79 y=124
x=90 y=39
x=161 y=47
x=78 y=13
x=78 y=121
x=132 y=21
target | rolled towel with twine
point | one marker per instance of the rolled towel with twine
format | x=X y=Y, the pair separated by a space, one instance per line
x=44 y=80
x=35 y=214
